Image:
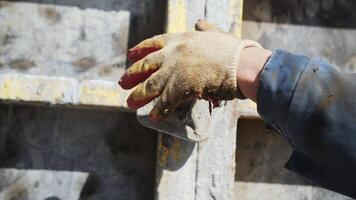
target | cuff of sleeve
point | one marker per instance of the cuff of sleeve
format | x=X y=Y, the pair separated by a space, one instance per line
x=278 y=81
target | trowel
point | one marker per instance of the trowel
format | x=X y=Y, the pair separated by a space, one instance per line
x=189 y=122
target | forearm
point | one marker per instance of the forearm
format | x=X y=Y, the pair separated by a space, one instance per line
x=312 y=105
x=249 y=69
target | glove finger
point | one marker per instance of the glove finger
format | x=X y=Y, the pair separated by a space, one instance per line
x=148 y=90
x=148 y=46
x=141 y=70
x=171 y=98
x=204 y=25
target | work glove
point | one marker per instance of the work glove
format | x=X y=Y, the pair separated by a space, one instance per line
x=177 y=67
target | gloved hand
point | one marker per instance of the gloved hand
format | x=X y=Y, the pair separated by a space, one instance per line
x=184 y=66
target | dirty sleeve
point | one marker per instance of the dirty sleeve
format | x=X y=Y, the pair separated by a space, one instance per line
x=312 y=104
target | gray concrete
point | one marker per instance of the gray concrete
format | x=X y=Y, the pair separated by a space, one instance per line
x=321 y=29
x=41 y=184
x=321 y=13
x=205 y=169
x=62 y=41
x=202 y=170
x=147 y=17
x=331 y=44
x=272 y=191
x=116 y=152
x=59 y=45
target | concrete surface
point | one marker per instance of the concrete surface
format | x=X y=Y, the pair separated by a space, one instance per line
x=57 y=55
x=320 y=29
x=62 y=41
x=272 y=191
x=116 y=153
x=205 y=169
x=335 y=45
x=147 y=17
x=201 y=170
x=41 y=184
x=324 y=13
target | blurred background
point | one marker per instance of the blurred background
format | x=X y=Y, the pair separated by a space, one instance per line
x=50 y=152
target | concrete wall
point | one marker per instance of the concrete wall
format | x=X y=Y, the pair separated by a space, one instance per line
x=118 y=154
x=323 y=29
x=75 y=39
x=62 y=41
x=147 y=17
x=94 y=154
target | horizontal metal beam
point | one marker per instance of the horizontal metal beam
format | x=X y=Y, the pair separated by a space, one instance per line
x=61 y=91
x=44 y=90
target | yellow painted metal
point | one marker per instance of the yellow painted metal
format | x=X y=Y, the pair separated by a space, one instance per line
x=102 y=94
x=61 y=91
x=28 y=88
x=235 y=14
x=176 y=16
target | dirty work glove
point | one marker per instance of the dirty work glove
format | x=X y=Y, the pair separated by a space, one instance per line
x=183 y=66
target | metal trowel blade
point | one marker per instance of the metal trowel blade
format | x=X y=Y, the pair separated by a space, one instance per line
x=181 y=124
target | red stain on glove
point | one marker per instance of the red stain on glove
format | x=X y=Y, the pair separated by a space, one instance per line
x=130 y=80
x=136 y=54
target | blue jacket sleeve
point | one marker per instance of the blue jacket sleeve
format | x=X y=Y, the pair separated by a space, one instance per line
x=312 y=104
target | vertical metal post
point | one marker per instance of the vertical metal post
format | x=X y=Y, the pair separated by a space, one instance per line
x=205 y=169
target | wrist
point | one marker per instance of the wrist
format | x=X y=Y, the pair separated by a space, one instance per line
x=251 y=63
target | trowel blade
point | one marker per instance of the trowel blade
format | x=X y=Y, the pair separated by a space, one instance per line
x=184 y=123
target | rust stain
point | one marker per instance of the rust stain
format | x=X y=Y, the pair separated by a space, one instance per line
x=330 y=99
x=21 y=64
x=85 y=63
x=50 y=14
x=169 y=148
x=4 y=4
x=327 y=101
x=105 y=70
